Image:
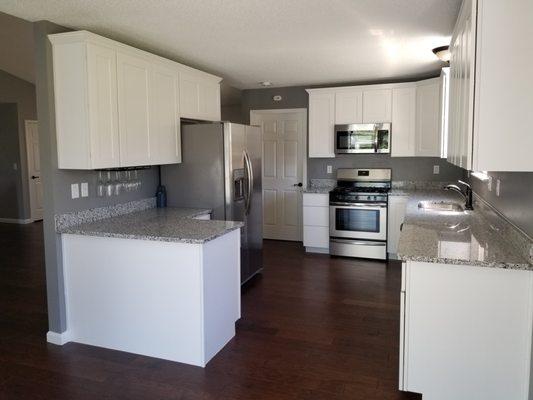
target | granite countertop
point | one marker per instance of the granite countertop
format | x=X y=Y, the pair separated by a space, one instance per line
x=462 y=238
x=159 y=224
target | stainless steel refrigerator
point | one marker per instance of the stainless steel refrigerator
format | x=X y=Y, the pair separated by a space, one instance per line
x=221 y=170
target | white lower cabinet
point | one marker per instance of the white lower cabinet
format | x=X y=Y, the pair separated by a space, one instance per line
x=465 y=331
x=397 y=205
x=316 y=222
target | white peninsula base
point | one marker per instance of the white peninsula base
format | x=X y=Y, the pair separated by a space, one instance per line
x=176 y=301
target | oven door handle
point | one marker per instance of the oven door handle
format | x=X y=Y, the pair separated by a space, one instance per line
x=358 y=205
x=351 y=241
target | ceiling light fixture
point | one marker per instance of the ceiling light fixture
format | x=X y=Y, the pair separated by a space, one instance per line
x=265 y=83
x=443 y=53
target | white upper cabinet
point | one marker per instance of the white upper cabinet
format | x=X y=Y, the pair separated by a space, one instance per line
x=321 y=124
x=166 y=145
x=428 y=118
x=377 y=106
x=349 y=107
x=199 y=97
x=134 y=74
x=413 y=108
x=403 y=122
x=117 y=106
x=103 y=120
x=87 y=137
x=491 y=90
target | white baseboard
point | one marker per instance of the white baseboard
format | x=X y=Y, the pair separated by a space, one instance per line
x=58 y=338
x=16 y=221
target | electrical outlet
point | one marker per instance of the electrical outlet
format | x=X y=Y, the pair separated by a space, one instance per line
x=84 y=189
x=489 y=184
x=498 y=187
x=75 y=190
x=329 y=169
x=436 y=170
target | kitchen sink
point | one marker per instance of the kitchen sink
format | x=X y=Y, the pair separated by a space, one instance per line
x=440 y=206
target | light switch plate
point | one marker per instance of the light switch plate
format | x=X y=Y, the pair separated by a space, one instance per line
x=329 y=169
x=75 y=190
x=489 y=184
x=436 y=169
x=15 y=166
x=84 y=189
x=497 y=187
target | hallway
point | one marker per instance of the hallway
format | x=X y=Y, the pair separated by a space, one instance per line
x=313 y=327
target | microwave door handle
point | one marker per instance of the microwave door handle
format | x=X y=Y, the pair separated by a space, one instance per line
x=376 y=139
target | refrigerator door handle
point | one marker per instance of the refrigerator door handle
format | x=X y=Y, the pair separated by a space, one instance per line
x=250 y=177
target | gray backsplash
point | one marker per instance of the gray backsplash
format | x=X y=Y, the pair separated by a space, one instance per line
x=515 y=201
x=403 y=168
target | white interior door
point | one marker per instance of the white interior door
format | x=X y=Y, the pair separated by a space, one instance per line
x=284 y=136
x=34 y=170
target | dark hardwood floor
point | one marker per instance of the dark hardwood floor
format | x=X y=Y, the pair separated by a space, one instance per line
x=313 y=327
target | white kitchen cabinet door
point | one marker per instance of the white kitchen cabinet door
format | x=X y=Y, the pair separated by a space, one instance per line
x=377 y=106
x=428 y=118
x=165 y=127
x=85 y=94
x=316 y=222
x=403 y=122
x=397 y=205
x=199 y=97
x=466 y=344
x=321 y=124
x=189 y=96
x=134 y=79
x=103 y=113
x=349 y=107
x=209 y=101
x=316 y=238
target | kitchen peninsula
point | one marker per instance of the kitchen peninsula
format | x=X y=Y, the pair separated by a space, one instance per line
x=158 y=282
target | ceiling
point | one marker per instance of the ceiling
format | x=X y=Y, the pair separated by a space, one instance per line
x=287 y=42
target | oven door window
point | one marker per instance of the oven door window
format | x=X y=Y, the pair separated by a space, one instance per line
x=357 y=220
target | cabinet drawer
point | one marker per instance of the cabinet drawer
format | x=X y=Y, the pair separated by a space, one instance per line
x=316 y=236
x=316 y=199
x=316 y=216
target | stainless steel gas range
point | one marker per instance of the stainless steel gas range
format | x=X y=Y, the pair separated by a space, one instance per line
x=358 y=213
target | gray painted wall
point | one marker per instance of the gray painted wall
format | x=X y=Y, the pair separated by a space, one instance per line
x=17 y=50
x=415 y=168
x=11 y=202
x=22 y=93
x=57 y=182
x=516 y=197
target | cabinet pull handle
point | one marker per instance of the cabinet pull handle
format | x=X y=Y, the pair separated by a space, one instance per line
x=401 y=227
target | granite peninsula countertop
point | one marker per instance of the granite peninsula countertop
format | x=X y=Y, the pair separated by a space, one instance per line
x=158 y=224
x=461 y=238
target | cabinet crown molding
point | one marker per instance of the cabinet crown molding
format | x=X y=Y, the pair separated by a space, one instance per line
x=89 y=37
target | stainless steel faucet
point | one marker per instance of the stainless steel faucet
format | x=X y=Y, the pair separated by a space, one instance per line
x=467 y=194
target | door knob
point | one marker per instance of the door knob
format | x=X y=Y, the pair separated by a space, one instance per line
x=299 y=184
x=34 y=177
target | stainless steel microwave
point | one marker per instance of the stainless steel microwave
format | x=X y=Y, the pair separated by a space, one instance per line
x=363 y=138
